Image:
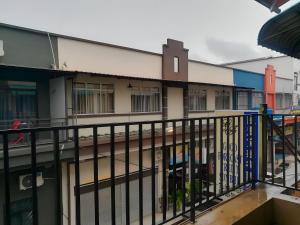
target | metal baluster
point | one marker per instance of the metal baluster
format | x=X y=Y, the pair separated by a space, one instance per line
x=35 y=219
x=77 y=177
x=207 y=157
x=57 y=167
x=192 y=181
x=200 y=162
x=271 y=149
x=296 y=151
x=141 y=208
x=96 y=184
x=174 y=168
x=127 y=184
x=283 y=148
x=221 y=156
x=164 y=172
x=153 y=171
x=6 y=179
x=112 y=175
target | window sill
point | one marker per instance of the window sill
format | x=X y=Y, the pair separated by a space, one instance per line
x=202 y=111
x=114 y=114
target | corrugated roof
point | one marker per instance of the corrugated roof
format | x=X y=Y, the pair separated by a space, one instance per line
x=282 y=32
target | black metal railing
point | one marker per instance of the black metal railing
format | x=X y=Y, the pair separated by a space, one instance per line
x=140 y=172
x=280 y=137
x=23 y=139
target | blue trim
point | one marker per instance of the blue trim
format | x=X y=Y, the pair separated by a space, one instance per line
x=245 y=141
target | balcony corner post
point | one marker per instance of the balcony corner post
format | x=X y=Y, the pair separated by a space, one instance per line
x=264 y=133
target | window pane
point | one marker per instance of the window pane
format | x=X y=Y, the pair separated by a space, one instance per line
x=18 y=100
x=257 y=99
x=145 y=99
x=279 y=101
x=288 y=100
x=222 y=100
x=197 y=100
x=242 y=99
x=176 y=64
x=94 y=98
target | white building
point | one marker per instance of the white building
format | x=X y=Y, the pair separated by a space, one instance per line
x=287 y=76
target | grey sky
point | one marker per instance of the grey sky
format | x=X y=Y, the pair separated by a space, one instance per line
x=214 y=30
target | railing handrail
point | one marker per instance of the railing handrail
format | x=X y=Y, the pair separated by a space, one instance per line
x=115 y=124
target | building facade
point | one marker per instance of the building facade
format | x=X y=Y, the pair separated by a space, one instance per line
x=287 y=72
x=53 y=80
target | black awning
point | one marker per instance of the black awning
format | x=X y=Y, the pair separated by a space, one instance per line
x=282 y=32
x=273 y=5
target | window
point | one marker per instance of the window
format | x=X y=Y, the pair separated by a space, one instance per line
x=279 y=103
x=18 y=100
x=197 y=100
x=242 y=99
x=222 y=100
x=257 y=99
x=176 y=64
x=288 y=98
x=145 y=99
x=21 y=212
x=295 y=81
x=94 y=98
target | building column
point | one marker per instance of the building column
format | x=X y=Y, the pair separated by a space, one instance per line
x=164 y=101
x=186 y=102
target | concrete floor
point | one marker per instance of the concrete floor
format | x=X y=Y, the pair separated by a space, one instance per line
x=232 y=210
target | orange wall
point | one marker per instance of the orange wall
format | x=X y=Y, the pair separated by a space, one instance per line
x=270 y=76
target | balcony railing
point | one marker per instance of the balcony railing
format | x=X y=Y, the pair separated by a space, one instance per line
x=181 y=167
x=23 y=139
x=151 y=172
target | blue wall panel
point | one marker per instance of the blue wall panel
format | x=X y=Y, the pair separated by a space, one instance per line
x=248 y=79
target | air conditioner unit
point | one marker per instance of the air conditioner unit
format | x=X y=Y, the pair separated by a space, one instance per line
x=26 y=181
x=1 y=48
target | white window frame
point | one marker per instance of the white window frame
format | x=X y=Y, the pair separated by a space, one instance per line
x=196 y=98
x=242 y=105
x=147 y=97
x=96 y=105
x=255 y=96
x=222 y=94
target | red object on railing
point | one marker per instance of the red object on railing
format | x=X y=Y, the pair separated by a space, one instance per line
x=17 y=125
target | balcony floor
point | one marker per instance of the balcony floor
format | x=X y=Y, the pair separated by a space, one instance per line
x=232 y=210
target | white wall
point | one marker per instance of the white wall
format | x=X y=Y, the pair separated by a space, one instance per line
x=122 y=98
x=210 y=74
x=175 y=103
x=283 y=66
x=284 y=85
x=89 y=57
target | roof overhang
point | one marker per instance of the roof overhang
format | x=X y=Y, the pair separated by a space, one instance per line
x=282 y=32
x=273 y=5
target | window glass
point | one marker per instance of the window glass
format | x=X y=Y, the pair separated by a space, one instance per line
x=222 y=100
x=18 y=100
x=145 y=99
x=92 y=98
x=176 y=64
x=257 y=99
x=288 y=98
x=242 y=99
x=197 y=100
x=279 y=104
x=21 y=212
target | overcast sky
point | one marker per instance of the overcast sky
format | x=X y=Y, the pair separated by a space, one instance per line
x=215 y=31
